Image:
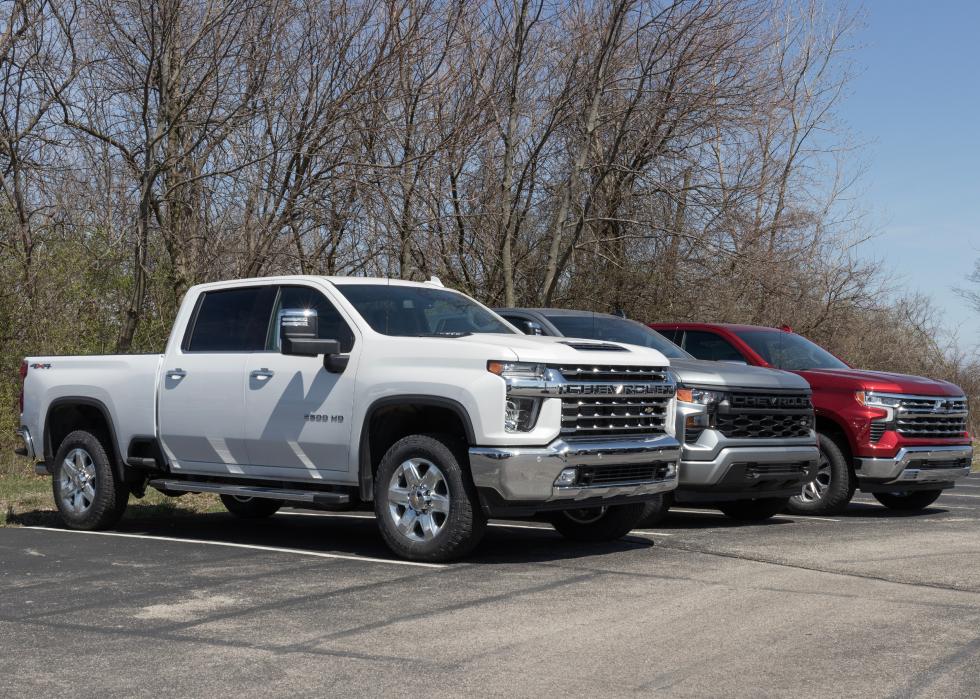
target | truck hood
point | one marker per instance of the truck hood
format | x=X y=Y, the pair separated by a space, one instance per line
x=696 y=372
x=539 y=348
x=886 y=382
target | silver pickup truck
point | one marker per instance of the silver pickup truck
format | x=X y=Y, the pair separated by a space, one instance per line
x=747 y=433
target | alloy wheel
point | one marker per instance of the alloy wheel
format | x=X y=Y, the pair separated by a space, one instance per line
x=77 y=481
x=418 y=499
x=815 y=490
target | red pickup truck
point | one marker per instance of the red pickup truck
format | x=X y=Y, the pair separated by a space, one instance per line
x=901 y=438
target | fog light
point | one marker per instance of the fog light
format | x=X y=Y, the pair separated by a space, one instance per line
x=519 y=414
x=699 y=420
x=566 y=478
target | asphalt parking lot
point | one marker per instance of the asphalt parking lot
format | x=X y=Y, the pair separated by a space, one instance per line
x=866 y=603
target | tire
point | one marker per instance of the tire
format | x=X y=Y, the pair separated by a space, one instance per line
x=598 y=523
x=753 y=510
x=909 y=501
x=86 y=489
x=831 y=491
x=425 y=502
x=656 y=510
x=250 y=508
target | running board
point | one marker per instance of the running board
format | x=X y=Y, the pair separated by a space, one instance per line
x=317 y=497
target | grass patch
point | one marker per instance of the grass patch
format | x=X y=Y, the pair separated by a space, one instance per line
x=25 y=499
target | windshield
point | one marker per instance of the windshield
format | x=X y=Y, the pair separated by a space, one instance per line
x=596 y=327
x=785 y=350
x=413 y=311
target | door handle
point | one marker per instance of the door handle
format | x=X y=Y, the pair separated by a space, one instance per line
x=177 y=373
x=262 y=374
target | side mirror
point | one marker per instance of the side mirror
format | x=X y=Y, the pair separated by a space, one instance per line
x=528 y=327
x=298 y=335
x=532 y=327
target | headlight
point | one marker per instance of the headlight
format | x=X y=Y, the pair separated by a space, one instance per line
x=873 y=400
x=700 y=396
x=520 y=413
x=517 y=370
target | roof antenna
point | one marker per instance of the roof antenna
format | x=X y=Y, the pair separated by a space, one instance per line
x=435 y=281
x=620 y=313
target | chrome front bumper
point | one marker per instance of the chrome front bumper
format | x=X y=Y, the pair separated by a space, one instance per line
x=914 y=465
x=529 y=474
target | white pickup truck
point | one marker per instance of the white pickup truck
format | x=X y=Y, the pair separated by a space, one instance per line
x=335 y=391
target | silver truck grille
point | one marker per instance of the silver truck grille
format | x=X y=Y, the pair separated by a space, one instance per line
x=766 y=416
x=926 y=417
x=764 y=426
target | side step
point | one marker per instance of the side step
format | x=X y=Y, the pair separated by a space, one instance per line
x=317 y=497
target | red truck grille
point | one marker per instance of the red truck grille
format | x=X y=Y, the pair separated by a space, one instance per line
x=927 y=417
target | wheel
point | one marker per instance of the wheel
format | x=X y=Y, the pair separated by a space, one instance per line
x=250 y=508
x=753 y=510
x=598 y=523
x=425 y=502
x=908 y=500
x=86 y=490
x=832 y=489
x=656 y=510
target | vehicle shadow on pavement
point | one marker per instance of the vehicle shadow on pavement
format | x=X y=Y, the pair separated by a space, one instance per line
x=356 y=535
x=870 y=511
x=710 y=520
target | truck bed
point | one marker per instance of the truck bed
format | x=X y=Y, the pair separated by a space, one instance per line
x=123 y=386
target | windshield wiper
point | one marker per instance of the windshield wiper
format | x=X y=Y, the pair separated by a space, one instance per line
x=460 y=333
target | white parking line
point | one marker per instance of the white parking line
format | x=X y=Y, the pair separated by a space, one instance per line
x=503 y=525
x=254 y=547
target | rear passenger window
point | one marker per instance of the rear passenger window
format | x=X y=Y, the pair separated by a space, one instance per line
x=330 y=324
x=704 y=345
x=231 y=321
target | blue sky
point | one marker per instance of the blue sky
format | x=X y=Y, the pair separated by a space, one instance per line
x=915 y=103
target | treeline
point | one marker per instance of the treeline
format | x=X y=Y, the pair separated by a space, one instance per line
x=672 y=159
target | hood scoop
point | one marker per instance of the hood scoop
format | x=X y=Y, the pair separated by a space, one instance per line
x=595 y=346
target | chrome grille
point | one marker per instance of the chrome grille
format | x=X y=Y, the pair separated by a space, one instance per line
x=926 y=417
x=614 y=415
x=594 y=373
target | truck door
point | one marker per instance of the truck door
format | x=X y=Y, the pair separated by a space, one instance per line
x=201 y=409
x=298 y=414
